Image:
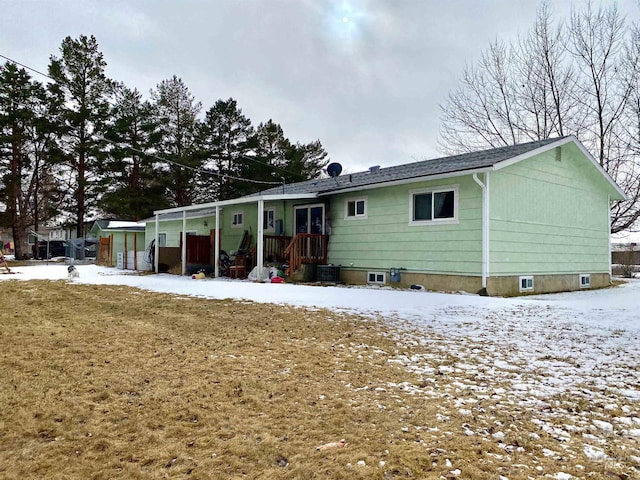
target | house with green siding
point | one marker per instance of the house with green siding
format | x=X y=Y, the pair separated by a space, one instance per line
x=528 y=218
x=166 y=234
x=120 y=244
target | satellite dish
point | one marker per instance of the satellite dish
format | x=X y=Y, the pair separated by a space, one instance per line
x=334 y=169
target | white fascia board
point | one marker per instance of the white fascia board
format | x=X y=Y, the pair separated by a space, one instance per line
x=237 y=201
x=559 y=143
x=599 y=167
x=406 y=181
x=190 y=217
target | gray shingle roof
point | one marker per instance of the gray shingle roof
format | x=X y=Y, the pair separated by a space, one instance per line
x=425 y=168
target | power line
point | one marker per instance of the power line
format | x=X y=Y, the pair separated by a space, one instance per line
x=27 y=67
x=171 y=161
x=275 y=167
x=195 y=169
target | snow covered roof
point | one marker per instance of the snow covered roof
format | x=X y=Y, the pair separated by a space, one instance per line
x=123 y=225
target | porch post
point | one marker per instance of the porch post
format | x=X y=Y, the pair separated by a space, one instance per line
x=216 y=242
x=260 y=241
x=183 y=254
x=156 y=246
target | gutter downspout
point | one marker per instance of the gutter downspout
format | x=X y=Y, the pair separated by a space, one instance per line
x=183 y=254
x=609 y=236
x=156 y=248
x=216 y=242
x=485 y=228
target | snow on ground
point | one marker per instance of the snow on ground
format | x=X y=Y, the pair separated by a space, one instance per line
x=573 y=359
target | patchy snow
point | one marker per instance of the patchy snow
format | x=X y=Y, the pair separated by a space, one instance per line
x=572 y=359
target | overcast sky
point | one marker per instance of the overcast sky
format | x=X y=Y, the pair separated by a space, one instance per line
x=364 y=77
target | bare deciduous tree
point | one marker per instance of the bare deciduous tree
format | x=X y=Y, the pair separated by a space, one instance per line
x=579 y=77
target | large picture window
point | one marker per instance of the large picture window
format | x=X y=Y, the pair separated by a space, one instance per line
x=438 y=205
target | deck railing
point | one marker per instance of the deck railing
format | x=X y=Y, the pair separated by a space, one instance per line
x=274 y=248
x=306 y=248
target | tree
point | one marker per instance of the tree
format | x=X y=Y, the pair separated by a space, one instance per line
x=306 y=160
x=81 y=90
x=275 y=159
x=26 y=186
x=132 y=190
x=175 y=112
x=576 y=78
x=227 y=136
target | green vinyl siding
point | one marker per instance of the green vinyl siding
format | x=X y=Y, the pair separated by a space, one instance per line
x=173 y=229
x=384 y=238
x=549 y=216
x=133 y=238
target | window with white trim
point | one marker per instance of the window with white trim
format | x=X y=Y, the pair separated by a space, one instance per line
x=355 y=208
x=162 y=239
x=526 y=284
x=585 y=280
x=379 y=278
x=434 y=206
x=192 y=232
x=269 y=219
x=237 y=220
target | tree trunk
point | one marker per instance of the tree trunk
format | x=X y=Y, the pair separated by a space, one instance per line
x=14 y=190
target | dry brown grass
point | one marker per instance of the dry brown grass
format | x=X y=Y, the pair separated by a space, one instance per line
x=103 y=382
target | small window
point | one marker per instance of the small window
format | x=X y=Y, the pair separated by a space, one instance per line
x=192 y=233
x=526 y=284
x=238 y=219
x=162 y=240
x=585 y=280
x=433 y=206
x=379 y=278
x=269 y=219
x=356 y=208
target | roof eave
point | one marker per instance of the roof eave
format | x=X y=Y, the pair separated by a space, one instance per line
x=238 y=201
x=405 y=181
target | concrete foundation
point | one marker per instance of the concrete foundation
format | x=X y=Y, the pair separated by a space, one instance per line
x=496 y=286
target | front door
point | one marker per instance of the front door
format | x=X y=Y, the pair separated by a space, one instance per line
x=309 y=219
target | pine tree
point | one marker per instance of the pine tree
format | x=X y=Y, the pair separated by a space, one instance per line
x=227 y=135
x=176 y=113
x=81 y=90
x=275 y=159
x=305 y=160
x=268 y=160
x=25 y=153
x=132 y=188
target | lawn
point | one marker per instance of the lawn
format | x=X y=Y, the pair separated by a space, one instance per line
x=107 y=381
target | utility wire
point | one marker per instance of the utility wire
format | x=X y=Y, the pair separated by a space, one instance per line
x=188 y=167
x=259 y=162
x=246 y=157
x=27 y=67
